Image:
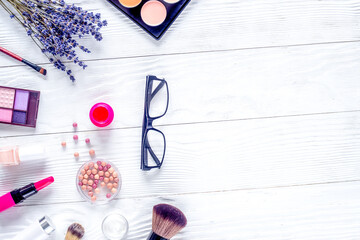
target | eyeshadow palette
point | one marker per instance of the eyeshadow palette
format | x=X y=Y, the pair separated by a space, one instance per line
x=154 y=16
x=19 y=106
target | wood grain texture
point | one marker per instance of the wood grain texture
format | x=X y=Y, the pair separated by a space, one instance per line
x=263 y=127
x=207 y=26
x=203 y=157
x=252 y=84
x=318 y=212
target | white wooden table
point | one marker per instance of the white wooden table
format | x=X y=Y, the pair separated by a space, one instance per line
x=263 y=127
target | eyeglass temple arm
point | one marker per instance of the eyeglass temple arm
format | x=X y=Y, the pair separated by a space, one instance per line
x=157 y=89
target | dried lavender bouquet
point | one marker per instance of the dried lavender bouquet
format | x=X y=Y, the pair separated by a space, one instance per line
x=55 y=27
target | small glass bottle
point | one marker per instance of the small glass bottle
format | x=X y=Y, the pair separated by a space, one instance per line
x=10 y=156
x=115 y=226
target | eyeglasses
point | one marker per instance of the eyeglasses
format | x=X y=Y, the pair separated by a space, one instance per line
x=153 y=141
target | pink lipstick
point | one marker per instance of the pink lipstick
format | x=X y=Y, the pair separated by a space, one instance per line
x=19 y=195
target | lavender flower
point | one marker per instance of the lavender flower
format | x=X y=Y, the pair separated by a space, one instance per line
x=54 y=26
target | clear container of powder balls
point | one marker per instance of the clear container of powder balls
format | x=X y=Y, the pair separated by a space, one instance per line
x=98 y=181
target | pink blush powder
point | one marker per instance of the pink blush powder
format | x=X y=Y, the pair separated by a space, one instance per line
x=153 y=13
x=5 y=115
x=7 y=97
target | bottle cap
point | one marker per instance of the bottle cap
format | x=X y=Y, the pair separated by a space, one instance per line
x=46 y=225
x=30 y=153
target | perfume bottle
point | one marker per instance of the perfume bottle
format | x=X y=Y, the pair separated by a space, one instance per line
x=39 y=230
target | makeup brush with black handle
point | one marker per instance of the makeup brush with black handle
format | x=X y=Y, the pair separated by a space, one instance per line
x=167 y=221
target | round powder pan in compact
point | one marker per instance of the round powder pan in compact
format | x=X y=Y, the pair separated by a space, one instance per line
x=153 y=13
x=130 y=3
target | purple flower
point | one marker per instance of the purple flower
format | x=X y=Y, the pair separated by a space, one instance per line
x=55 y=26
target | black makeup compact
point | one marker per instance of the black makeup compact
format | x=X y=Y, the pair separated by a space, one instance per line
x=154 y=16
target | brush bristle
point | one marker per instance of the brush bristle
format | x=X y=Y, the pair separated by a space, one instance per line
x=43 y=71
x=167 y=220
x=75 y=232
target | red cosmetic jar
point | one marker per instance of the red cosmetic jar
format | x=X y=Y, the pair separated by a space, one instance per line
x=101 y=114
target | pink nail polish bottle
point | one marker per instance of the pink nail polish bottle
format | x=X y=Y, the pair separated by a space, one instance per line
x=101 y=114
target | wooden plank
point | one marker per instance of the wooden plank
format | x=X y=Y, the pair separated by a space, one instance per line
x=207 y=26
x=329 y=211
x=203 y=157
x=252 y=84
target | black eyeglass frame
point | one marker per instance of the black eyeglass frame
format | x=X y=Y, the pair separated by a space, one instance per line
x=148 y=126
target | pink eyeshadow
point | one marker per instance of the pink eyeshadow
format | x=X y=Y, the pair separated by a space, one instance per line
x=5 y=115
x=7 y=97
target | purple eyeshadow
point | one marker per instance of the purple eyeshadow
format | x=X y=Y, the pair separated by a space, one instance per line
x=19 y=117
x=21 y=100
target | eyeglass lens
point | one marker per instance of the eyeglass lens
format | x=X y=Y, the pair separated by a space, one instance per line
x=155 y=148
x=158 y=99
